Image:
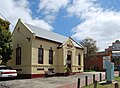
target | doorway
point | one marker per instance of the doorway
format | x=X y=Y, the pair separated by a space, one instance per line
x=69 y=61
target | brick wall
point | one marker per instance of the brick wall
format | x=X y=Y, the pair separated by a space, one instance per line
x=94 y=62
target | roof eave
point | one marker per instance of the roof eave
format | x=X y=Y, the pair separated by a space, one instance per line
x=38 y=37
x=77 y=43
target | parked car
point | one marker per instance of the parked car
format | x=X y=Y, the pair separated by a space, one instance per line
x=7 y=71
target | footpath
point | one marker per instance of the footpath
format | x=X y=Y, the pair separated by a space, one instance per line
x=90 y=79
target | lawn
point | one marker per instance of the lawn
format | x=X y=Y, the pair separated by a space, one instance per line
x=105 y=85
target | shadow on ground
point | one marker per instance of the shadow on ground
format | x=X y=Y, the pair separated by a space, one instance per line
x=105 y=83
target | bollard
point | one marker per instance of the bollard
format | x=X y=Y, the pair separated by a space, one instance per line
x=119 y=73
x=1 y=85
x=86 y=80
x=100 y=76
x=95 y=84
x=78 y=86
x=106 y=74
x=93 y=78
x=116 y=85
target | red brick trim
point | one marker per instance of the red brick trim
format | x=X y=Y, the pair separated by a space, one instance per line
x=30 y=75
x=37 y=75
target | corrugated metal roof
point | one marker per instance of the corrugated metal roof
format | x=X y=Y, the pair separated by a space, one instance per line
x=47 y=34
x=50 y=35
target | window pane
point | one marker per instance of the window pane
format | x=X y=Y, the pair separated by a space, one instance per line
x=40 y=52
x=18 y=56
x=79 y=59
x=50 y=56
x=40 y=55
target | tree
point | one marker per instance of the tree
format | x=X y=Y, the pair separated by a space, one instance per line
x=5 y=41
x=90 y=44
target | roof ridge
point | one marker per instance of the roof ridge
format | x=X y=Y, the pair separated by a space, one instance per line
x=49 y=35
x=76 y=42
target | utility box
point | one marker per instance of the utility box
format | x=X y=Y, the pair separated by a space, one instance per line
x=109 y=71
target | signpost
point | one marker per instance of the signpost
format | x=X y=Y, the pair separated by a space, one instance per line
x=115 y=53
x=110 y=71
x=105 y=58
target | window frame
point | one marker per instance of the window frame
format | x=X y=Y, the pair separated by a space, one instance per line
x=40 y=55
x=79 y=59
x=50 y=56
x=18 y=55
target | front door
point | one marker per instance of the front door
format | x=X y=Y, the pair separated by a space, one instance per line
x=69 y=61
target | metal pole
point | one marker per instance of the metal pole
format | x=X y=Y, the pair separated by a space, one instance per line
x=78 y=86
x=86 y=80
x=93 y=78
x=100 y=76
x=106 y=74
x=116 y=85
x=119 y=72
x=95 y=84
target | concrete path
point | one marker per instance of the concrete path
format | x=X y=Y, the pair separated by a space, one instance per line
x=82 y=79
x=52 y=82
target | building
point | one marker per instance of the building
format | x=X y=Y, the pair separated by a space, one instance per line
x=95 y=61
x=36 y=50
x=115 y=54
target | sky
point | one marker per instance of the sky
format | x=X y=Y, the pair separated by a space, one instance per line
x=80 y=19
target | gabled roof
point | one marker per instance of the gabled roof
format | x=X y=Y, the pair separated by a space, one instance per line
x=47 y=34
x=76 y=43
x=39 y=32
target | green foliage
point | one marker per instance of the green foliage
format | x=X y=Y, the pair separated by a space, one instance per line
x=4 y=24
x=90 y=71
x=117 y=79
x=67 y=70
x=105 y=85
x=90 y=44
x=5 y=41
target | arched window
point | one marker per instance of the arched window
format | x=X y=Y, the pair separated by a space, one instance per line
x=18 y=56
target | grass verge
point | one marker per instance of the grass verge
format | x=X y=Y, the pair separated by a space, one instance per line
x=105 y=85
x=89 y=71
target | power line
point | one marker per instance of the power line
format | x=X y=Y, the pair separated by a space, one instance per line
x=6 y=19
x=3 y=16
x=114 y=4
x=118 y=3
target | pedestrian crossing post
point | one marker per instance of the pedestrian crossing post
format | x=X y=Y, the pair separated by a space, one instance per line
x=78 y=86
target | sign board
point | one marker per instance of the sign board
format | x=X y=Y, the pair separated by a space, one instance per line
x=69 y=45
x=116 y=47
x=109 y=71
x=115 y=53
x=105 y=58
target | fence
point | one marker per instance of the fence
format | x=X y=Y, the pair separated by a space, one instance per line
x=88 y=80
x=93 y=80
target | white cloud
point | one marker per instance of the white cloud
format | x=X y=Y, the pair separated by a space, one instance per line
x=50 y=8
x=14 y=9
x=98 y=23
x=84 y=9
